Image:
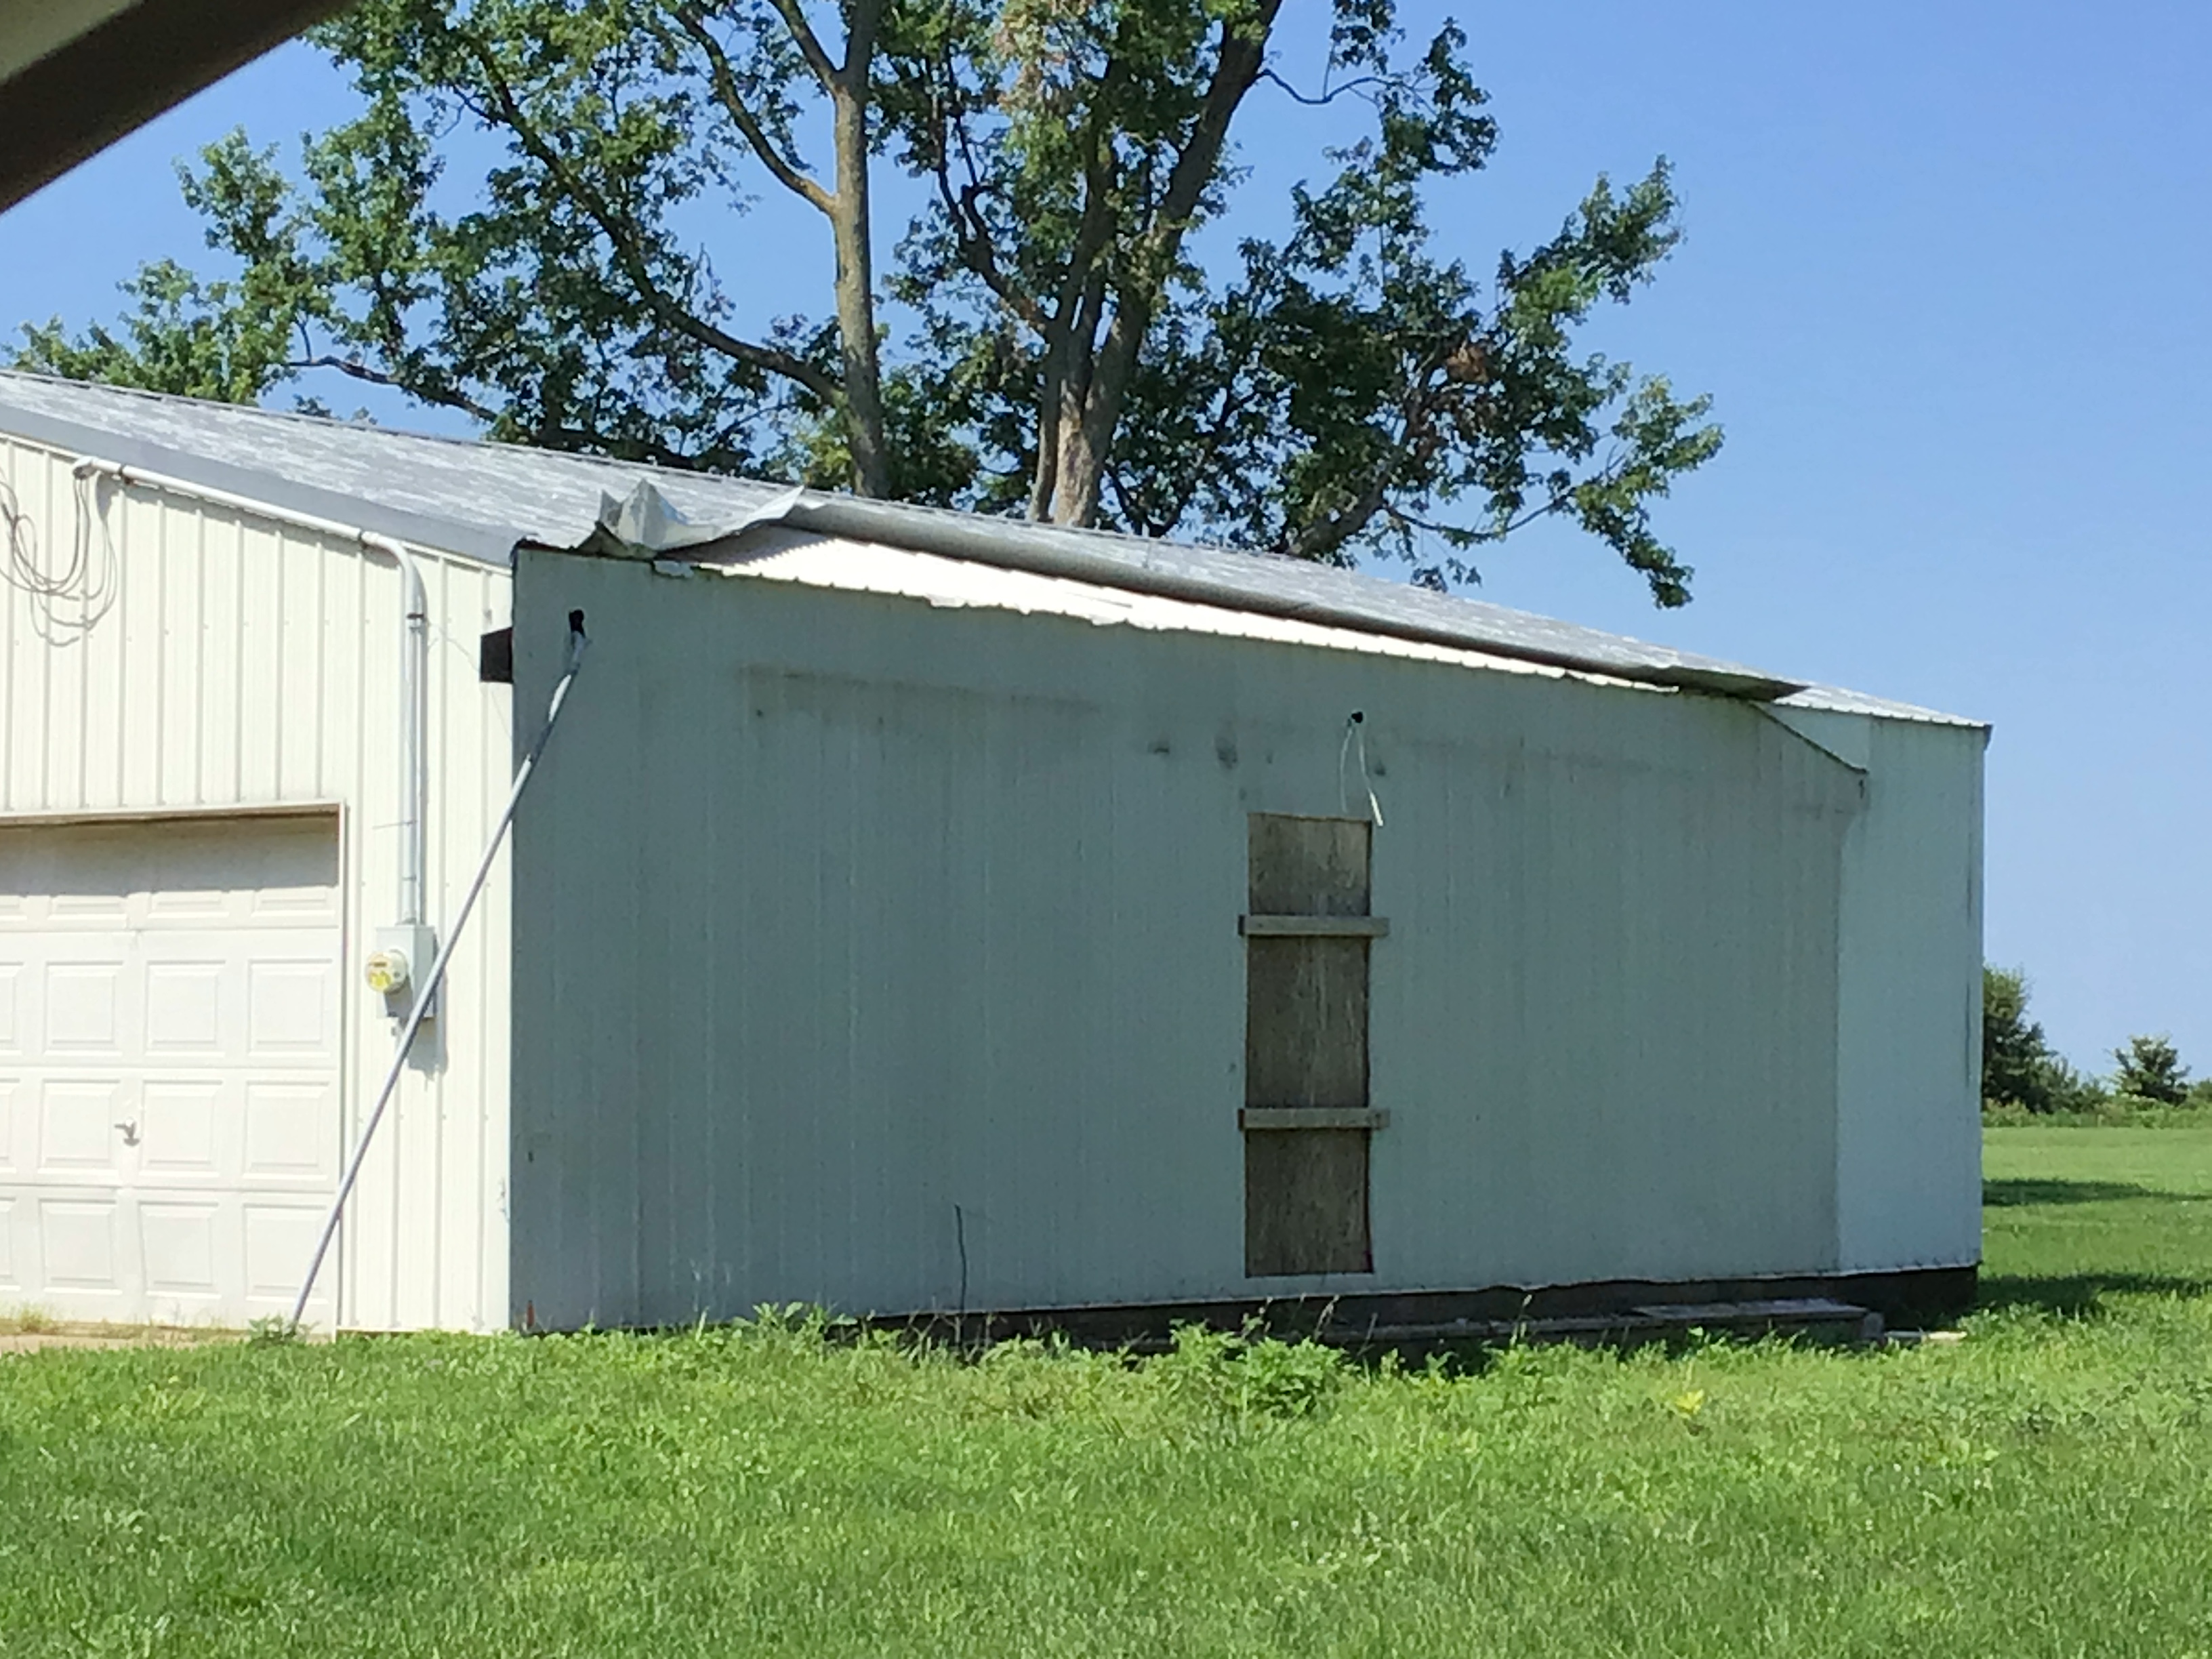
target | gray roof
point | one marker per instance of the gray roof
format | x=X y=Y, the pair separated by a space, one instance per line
x=484 y=500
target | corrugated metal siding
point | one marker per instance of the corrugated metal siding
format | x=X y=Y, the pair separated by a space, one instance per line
x=1909 y=1149
x=245 y=665
x=1607 y=1029
x=887 y=957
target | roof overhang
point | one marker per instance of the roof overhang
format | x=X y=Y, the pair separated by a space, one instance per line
x=78 y=75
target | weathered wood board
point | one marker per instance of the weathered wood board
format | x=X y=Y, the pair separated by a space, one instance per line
x=1305 y=1049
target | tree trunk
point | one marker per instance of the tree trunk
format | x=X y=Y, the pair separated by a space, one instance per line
x=1096 y=373
x=856 y=297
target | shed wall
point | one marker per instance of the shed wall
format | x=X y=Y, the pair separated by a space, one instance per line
x=885 y=957
x=245 y=664
x=1909 y=1139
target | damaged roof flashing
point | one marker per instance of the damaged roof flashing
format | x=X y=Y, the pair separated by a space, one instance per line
x=645 y=524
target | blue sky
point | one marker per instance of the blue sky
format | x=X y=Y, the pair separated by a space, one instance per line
x=1948 y=275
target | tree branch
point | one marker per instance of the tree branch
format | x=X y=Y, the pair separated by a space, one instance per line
x=354 y=368
x=1325 y=537
x=862 y=21
x=1241 y=57
x=802 y=34
x=1326 y=97
x=545 y=435
x=734 y=103
x=971 y=233
x=627 y=254
x=1232 y=404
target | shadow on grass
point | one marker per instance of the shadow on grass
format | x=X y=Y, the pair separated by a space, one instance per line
x=2013 y=1194
x=2080 y=1295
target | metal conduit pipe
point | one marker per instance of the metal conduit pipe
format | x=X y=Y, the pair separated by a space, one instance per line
x=414 y=656
x=413 y=733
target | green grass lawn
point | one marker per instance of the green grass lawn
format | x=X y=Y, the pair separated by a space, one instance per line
x=2072 y=1215
x=2044 y=1487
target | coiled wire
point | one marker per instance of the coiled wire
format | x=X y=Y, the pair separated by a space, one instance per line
x=67 y=604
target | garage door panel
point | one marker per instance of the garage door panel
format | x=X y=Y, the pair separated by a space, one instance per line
x=169 y=1118
x=302 y=906
x=183 y=1008
x=107 y=908
x=172 y=907
x=180 y=1127
x=291 y=1010
x=83 y=1009
x=77 y=1246
x=8 y=1279
x=279 y=1238
x=179 y=1247
x=80 y=1133
x=288 y=1135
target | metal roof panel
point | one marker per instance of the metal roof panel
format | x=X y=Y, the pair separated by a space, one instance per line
x=483 y=499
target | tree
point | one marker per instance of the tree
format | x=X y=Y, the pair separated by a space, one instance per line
x=2019 y=1068
x=1064 y=349
x=2150 y=1068
x=2012 y=1047
x=2018 y=1065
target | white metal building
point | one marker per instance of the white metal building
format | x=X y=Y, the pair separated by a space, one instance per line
x=916 y=913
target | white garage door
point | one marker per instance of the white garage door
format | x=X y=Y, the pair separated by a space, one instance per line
x=169 y=1024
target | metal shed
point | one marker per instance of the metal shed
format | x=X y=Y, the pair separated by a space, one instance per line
x=918 y=913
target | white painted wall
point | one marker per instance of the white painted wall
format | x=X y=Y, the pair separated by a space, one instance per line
x=860 y=928
x=247 y=664
x=1909 y=1140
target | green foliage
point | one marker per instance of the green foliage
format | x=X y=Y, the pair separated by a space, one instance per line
x=1239 y=1378
x=2150 y=1069
x=2108 y=1111
x=2036 y=1490
x=1062 y=349
x=2020 y=1070
x=195 y=339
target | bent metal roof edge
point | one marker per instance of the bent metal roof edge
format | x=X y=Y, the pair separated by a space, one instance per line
x=482 y=500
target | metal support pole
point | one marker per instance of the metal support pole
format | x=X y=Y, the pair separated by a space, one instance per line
x=437 y=973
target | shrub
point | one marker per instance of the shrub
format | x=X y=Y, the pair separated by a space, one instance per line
x=2150 y=1068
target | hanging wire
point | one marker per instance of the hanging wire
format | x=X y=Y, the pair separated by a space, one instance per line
x=67 y=604
x=1355 y=741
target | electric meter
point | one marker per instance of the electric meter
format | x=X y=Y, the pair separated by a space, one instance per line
x=401 y=959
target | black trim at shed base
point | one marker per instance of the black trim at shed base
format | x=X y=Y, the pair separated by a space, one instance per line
x=1611 y=1309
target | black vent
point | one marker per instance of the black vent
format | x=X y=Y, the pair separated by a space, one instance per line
x=495 y=657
